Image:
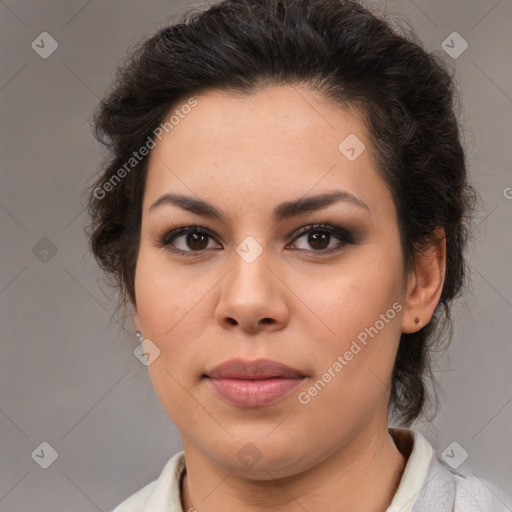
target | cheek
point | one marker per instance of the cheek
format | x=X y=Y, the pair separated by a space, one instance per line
x=175 y=309
x=343 y=300
x=355 y=365
x=360 y=310
x=166 y=297
x=171 y=316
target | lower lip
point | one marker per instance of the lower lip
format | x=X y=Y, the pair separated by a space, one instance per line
x=253 y=393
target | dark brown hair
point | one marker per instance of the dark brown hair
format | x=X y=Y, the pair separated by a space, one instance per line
x=353 y=58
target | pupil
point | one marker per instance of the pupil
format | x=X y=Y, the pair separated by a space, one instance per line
x=196 y=238
x=321 y=238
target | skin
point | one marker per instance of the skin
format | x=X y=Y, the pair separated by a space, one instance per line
x=246 y=154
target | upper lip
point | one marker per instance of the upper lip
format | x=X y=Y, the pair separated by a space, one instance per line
x=252 y=370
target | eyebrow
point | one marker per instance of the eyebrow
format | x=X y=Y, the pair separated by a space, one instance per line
x=283 y=211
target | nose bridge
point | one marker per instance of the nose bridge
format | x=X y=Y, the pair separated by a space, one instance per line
x=251 y=273
x=249 y=295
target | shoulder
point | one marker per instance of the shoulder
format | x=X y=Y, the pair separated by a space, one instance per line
x=430 y=484
x=464 y=493
x=137 y=502
x=160 y=495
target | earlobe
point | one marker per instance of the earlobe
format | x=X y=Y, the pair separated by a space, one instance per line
x=426 y=285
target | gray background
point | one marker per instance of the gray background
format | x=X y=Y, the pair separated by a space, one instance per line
x=68 y=375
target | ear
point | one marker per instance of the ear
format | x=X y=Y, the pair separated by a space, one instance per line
x=425 y=285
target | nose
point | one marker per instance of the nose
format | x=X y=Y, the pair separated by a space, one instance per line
x=253 y=298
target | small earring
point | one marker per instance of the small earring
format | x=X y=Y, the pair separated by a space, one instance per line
x=418 y=322
x=139 y=336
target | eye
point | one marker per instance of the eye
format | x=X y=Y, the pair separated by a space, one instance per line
x=186 y=240
x=320 y=236
x=194 y=240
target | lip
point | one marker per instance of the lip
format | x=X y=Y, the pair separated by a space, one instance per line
x=252 y=370
x=253 y=383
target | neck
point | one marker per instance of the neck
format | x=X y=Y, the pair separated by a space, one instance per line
x=361 y=477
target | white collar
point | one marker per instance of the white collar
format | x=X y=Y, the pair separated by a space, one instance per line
x=415 y=472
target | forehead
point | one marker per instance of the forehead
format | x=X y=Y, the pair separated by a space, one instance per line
x=277 y=141
x=287 y=117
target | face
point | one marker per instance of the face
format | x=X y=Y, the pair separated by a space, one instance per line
x=314 y=285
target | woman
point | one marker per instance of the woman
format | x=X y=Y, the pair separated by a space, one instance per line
x=285 y=210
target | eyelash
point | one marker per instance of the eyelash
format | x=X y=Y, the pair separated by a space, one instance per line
x=344 y=236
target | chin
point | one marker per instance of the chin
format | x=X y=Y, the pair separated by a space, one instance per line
x=263 y=459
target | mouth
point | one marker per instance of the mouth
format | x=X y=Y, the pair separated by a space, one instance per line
x=253 y=383
x=253 y=370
